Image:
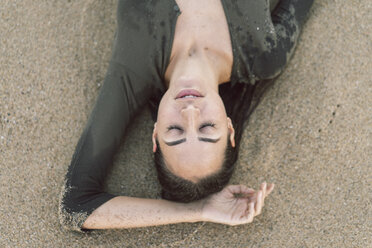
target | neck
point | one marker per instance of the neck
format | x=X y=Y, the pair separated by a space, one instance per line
x=199 y=67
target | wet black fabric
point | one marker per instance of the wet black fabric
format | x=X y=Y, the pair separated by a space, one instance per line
x=262 y=43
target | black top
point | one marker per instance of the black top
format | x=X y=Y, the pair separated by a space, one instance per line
x=262 y=42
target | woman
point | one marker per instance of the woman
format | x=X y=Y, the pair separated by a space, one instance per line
x=205 y=55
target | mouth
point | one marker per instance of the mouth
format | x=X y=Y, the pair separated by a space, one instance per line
x=188 y=93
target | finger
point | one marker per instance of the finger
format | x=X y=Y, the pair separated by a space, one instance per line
x=267 y=190
x=258 y=203
x=240 y=189
x=251 y=213
x=270 y=189
x=241 y=211
x=253 y=197
x=263 y=188
x=247 y=192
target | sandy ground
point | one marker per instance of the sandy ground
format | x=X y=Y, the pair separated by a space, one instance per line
x=311 y=134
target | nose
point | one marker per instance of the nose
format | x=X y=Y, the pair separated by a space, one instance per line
x=190 y=113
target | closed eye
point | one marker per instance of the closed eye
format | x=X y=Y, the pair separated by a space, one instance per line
x=174 y=127
x=208 y=124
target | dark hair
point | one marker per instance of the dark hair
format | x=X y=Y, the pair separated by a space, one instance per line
x=240 y=100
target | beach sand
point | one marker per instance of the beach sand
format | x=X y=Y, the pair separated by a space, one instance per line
x=311 y=135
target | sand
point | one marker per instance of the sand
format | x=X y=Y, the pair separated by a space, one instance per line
x=311 y=135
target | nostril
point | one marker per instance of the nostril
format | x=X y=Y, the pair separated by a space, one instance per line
x=190 y=110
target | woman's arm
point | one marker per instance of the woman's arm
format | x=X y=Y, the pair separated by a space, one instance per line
x=234 y=205
x=129 y=212
x=131 y=77
x=118 y=100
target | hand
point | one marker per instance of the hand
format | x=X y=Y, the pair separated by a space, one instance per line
x=235 y=204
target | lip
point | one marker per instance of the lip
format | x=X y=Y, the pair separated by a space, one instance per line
x=188 y=92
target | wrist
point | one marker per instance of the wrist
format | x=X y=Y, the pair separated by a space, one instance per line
x=196 y=211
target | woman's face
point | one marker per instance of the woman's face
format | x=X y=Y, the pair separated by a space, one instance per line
x=192 y=130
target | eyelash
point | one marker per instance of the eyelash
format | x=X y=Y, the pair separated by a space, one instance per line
x=208 y=124
x=174 y=127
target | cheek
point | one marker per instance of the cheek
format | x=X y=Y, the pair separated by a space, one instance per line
x=216 y=111
x=166 y=113
x=164 y=109
x=216 y=106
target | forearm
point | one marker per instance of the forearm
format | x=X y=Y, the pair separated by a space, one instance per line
x=130 y=212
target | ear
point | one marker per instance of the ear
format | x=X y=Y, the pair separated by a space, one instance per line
x=231 y=131
x=154 y=133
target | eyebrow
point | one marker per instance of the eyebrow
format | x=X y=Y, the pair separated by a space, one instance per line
x=173 y=143
x=177 y=142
